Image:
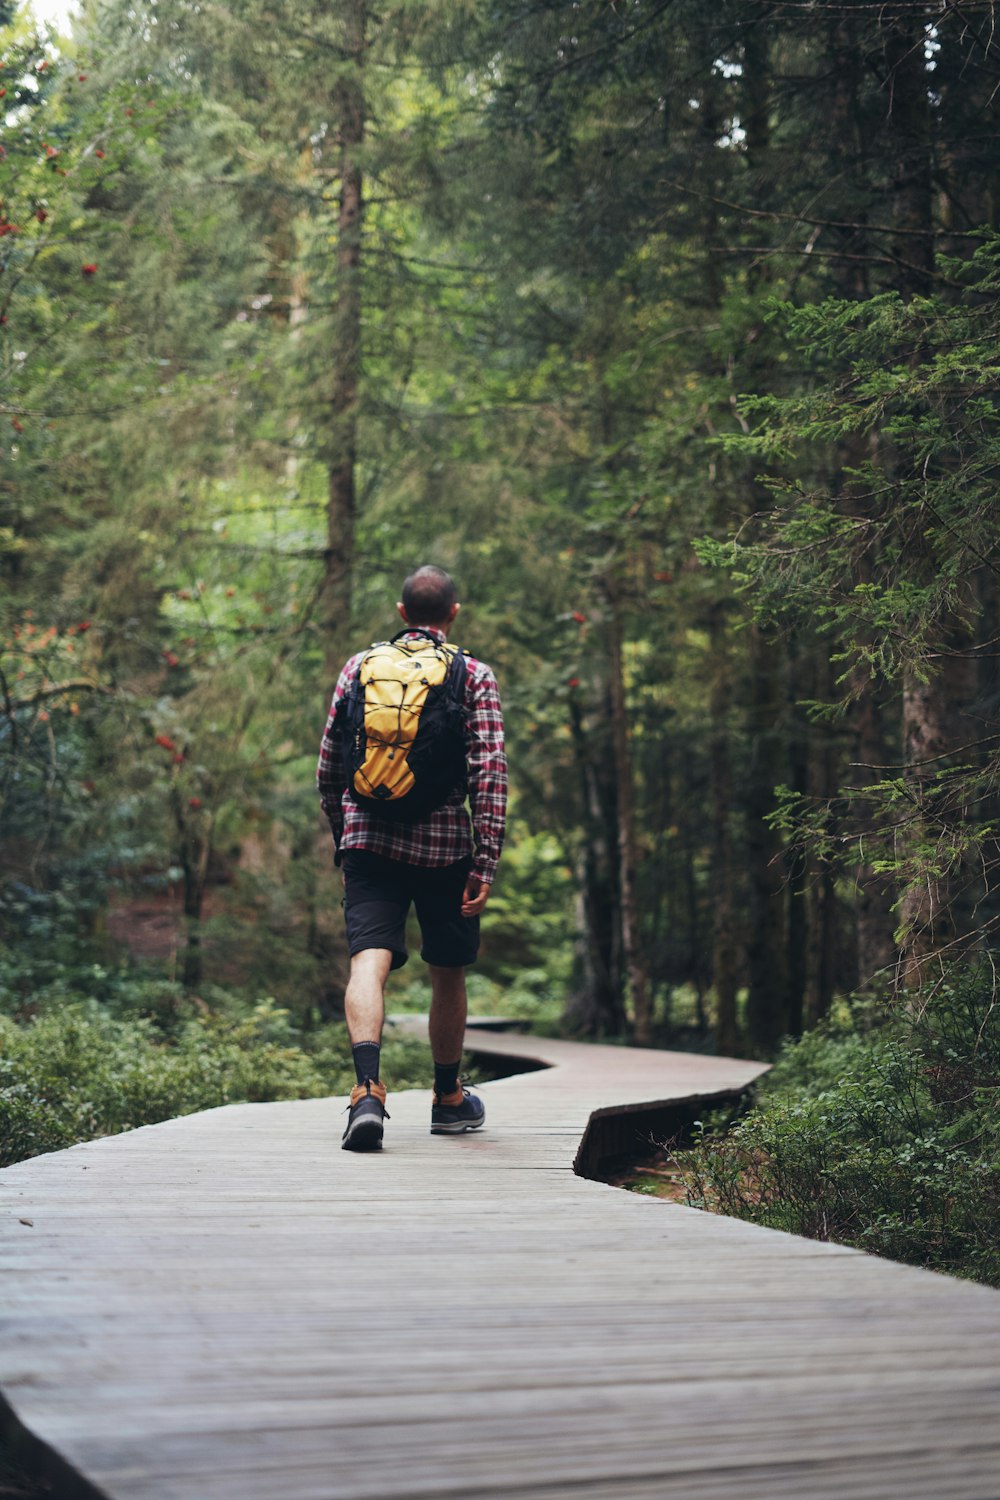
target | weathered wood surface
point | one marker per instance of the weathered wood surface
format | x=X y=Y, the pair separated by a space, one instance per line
x=229 y=1307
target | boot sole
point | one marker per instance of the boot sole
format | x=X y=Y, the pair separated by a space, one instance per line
x=363 y=1135
x=458 y=1128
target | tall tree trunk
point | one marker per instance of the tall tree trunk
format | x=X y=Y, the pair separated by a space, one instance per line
x=634 y=966
x=926 y=918
x=822 y=897
x=195 y=849
x=800 y=686
x=725 y=936
x=596 y=1006
x=876 y=891
x=907 y=91
x=695 y=945
x=988 y=701
x=925 y=914
x=767 y=1000
x=935 y=726
x=848 y=138
x=194 y=896
x=341 y=448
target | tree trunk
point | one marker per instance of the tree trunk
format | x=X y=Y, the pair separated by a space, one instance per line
x=849 y=138
x=596 y=1006
x=725 y=938
x=767 y=1000
x=800 y=686
x=195 y=847
x=933 y=730
x=908 y=93
x=695 y=945
x=194 y=895
x=987 y=887
x=634 y=967
x=823 y=784
x=341 y=447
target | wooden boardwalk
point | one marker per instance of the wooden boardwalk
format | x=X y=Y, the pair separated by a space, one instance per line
x=229 y=1307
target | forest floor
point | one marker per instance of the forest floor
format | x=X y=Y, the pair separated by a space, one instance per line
x=658 y=1175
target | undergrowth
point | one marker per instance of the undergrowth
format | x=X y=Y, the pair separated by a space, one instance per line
x=879 y=1130
x=73 y=1066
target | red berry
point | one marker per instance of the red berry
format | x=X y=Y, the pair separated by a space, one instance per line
x=166 y=742
x=90 y=269
x=194 y=802
x=99 y=155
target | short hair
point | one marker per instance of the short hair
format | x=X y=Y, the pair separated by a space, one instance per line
x=428 y=596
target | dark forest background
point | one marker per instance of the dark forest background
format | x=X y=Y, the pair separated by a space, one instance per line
x=671 y=330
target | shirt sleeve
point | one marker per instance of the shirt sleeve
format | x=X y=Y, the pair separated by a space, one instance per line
x=330 y=777
x=487 y=767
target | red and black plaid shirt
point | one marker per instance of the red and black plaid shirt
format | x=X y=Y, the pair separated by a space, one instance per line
x=446 y=834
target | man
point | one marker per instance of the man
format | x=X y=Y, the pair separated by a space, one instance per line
x=444 y=863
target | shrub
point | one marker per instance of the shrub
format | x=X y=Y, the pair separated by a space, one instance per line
x=881 y=1133
x=76 y=1071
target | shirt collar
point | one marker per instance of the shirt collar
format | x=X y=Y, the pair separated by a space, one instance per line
x=438 y=635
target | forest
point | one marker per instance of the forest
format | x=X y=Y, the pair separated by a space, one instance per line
x=671 y=331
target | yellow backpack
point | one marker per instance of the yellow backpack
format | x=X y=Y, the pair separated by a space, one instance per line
x=401 y=725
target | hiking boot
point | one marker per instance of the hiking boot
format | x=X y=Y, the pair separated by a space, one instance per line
x=367 y=1111
x=451 y=1114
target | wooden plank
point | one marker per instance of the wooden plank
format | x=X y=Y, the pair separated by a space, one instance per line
x=229 y=1307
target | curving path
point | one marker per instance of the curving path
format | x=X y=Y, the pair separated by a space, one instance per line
x=228 y=1307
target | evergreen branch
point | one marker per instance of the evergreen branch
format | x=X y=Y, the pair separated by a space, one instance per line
x=777 y=216
x=989 y=739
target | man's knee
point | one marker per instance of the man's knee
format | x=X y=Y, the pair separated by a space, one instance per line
x=372 y=963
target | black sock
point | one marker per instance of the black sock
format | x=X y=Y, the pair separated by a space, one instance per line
x=446 y=1077
x=366 y=1060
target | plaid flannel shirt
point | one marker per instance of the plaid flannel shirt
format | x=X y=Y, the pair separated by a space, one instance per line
x=446 y=834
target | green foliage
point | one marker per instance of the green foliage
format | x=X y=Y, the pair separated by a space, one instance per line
x=626 y=281
x=879 y=1131
x=79 y=1069
x=882 y=563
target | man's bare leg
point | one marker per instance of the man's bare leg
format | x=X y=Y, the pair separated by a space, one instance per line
x=364 y=1008
x=449 y=1009
x=455 y=1109
x=364 y=1002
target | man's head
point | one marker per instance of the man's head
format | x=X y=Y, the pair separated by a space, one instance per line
x=429 y=598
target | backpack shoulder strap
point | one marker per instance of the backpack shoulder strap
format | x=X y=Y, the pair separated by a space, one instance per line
x=411 y=630
x=457 y=673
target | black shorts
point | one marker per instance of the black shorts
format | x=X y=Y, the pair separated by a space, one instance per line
x=377 y=896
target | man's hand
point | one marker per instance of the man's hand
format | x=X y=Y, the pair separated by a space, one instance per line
x=475 y=896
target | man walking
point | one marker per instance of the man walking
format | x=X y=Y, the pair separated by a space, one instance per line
x=444 y=862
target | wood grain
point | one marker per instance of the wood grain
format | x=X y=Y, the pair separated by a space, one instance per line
x=229 y=1307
